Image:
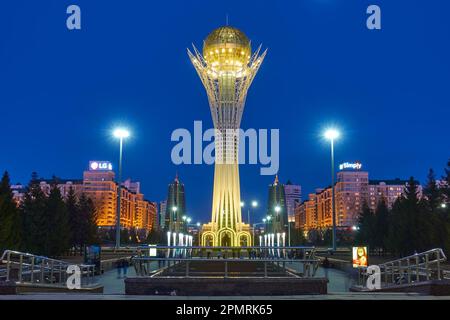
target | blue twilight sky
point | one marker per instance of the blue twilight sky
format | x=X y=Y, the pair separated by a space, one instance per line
x=61 y=91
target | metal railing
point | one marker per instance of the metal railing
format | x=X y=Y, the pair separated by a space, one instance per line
x=23 y=267
x=419 y=267
x=266 y=261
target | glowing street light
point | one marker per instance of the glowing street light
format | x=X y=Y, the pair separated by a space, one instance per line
x=174 y=211
x=121 y=134
x=277 y=209
x=254 y=204
x=242 y=204
x=332 y=134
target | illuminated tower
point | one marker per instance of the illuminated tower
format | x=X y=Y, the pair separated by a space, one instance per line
x=226 y=69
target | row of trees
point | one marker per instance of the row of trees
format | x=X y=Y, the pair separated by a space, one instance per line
x=413 y=223
x=45 y=224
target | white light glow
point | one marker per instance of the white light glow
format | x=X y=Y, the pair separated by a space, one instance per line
x=331 y=134
x=121 y=133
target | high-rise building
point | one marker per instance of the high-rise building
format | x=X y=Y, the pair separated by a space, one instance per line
x=226 y=69
x=277 y=208
x=162 y=209
x=306 y=214
x=293 y=197
x=353 y=188
x=176 y=207
x=100 y=186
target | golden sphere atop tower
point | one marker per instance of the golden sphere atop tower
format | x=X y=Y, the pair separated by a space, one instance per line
x=227 y=48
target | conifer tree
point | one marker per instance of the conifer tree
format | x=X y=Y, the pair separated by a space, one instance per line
x=381 y=225
x=431 y=192
x=58 y=223
x=10 y=218
x=73 y=212
x=366 y=223
x=410 y=226
x=35 y=220
x=88 y=216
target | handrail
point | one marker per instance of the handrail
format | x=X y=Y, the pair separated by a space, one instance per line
x=216 y=248
x=26 y=254
x=410 y=269
x=441 y=253
x=268 y=256
x=46 y=269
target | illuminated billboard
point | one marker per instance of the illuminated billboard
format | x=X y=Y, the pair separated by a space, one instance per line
x=350 y=165
x=360 y=256
x=100 y=166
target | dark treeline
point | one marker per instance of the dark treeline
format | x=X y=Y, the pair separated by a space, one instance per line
x=45 y=224
x=414 y=223
x=132 y=236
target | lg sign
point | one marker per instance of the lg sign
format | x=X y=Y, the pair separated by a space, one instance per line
x=100 y=165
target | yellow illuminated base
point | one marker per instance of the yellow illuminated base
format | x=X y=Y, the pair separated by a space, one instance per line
x=226 y=227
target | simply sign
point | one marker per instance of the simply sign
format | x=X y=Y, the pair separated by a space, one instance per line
x=350 y=165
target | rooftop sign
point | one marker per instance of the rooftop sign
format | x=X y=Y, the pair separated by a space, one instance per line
x=350 y=165
x=100 y=166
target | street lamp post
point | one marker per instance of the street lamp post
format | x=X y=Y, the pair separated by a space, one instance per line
x=254 y=205
x=289 y=233
x=277 y=210
x=121 y=134
x=268 y=218
x=332 y=134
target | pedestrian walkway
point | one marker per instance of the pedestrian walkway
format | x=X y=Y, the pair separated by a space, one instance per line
x=339 y=281
x=112 y=284
x=330 y=296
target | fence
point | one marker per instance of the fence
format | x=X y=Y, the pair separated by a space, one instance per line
x=189 y=261
x=29 y=268
x=415 y=268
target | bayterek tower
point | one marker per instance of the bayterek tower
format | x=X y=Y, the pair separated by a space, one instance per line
x=226 y=68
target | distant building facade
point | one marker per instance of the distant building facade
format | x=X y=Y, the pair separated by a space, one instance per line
x=162 y=209
x=277 y=209
x=176 y=207
x=293 y=194
x=352 y=189
x=99 y=185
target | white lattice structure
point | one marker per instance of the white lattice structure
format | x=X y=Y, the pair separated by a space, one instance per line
x=226 y=69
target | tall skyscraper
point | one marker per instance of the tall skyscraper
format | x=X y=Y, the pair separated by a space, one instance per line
x=277 y=209
x=162 y=209
x=176 y=207
x=226 y=69
x=293 y=197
